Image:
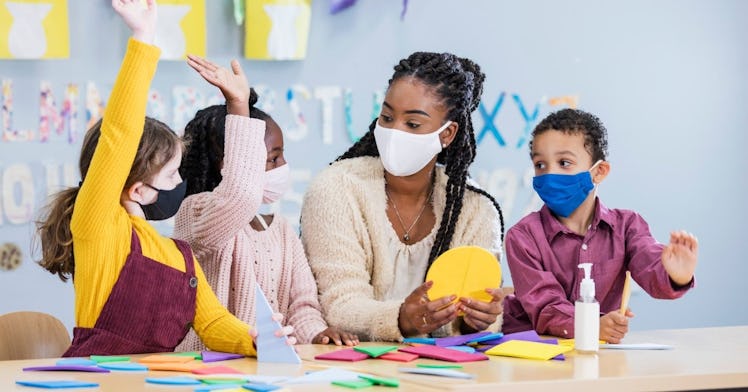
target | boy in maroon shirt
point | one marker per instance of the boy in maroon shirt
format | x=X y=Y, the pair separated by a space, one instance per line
x=569 y=151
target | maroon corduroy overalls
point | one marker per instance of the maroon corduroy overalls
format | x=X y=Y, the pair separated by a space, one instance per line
x=150 y=308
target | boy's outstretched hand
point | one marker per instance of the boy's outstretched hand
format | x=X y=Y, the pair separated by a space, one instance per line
x=679 y=257
x=232 y=82
x=139 y=18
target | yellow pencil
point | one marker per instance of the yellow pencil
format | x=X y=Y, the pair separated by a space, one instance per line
x=626 y=293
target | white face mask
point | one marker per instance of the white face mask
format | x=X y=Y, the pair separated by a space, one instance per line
x=276 y=184
x=404 y=153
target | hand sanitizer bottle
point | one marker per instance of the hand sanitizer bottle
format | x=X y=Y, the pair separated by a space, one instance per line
x=587 y=315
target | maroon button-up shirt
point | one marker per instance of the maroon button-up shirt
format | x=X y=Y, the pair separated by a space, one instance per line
x=543 y=256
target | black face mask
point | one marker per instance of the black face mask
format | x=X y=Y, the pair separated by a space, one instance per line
x=167 y=202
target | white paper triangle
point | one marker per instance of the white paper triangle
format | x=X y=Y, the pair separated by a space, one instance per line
x=270 y=348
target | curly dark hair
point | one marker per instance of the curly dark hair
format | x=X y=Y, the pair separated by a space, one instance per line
x=204 y=136
x=574 y=121
x=459 y=84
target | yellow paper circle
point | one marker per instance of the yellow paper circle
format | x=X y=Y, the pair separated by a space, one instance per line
x=465 y=271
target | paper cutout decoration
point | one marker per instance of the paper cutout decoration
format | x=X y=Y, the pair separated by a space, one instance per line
x=444 y=354
x=163 y=358
x=398 y=357
x=225 y=388
x=175 y=367
x=75 y=361
x=270 y=348
x=437 y=372
x=490 y=336
x=464 y=271
x=192 y=354
x=277 y=29
x=215 y=356
x=223 y=381
x=435 y=366
x=325 y=376
x=58 y=384
x=431 y=341
x=353 y=384
x=34 y=29
x=10 y=256
x=123 y=366
x=52 y=121
x=94 y=105
x=636 y=346
x=108 y=358
x=172 y=381
x=9 y=133
x=375 y=351
x=347 y=354
x=529 y=350
x=260 y=387
x=18 y=193
x=465 y=349
x=216 y=370
x=66 y=368
x=181 y=28
x=460 y=339
x=341 y=5
x=387 y=382
x=239 y=12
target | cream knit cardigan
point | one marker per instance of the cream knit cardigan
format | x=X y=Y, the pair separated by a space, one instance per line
x=345 y=235
x=236 y=257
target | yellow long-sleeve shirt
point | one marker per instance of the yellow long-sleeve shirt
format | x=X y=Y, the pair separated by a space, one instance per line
x=102 y=228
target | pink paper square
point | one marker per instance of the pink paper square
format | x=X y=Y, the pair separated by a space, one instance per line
x=348 y=354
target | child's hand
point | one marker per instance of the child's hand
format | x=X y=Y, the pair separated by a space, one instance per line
x=232 y=83
x=614 y=326
x=140 y=19
x=284 y=331
x=478 y=314
x=336 y=336
x=679 y=257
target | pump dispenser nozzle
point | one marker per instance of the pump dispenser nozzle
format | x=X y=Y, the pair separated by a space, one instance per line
x=587 y=287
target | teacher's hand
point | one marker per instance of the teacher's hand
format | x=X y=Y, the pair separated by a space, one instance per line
x=478 y=314
x=419 y=316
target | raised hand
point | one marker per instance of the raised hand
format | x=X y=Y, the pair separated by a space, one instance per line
x=232 y=82
x=478 y=314
x=680 y=256
x=141 y=19
x=335 y=336
x=420 y=316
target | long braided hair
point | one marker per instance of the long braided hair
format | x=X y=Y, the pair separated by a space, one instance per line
x=459 y=83
x=205 y=137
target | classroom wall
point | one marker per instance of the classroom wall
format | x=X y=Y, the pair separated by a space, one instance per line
x=667 y=78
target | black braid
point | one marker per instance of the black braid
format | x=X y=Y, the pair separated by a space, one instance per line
x=204 y=136
x=459 y=82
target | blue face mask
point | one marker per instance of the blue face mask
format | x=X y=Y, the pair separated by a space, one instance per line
x=563 y=193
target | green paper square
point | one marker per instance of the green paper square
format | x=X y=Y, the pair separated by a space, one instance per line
x=193 y=354
x=430 y=366
x=357 y=384
x=388 y=382
x=221 y=381
x=108 y=358
x=375 y=351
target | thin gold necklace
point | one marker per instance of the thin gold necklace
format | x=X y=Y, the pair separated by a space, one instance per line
x=406 y=236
